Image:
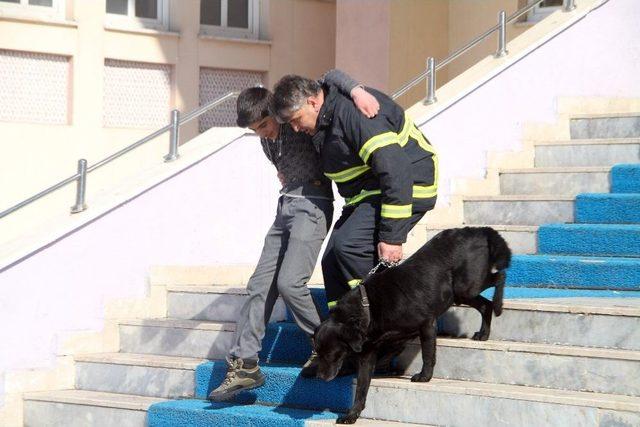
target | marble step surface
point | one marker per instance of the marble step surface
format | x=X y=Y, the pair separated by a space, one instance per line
x=518 y=209
x=468 y=403
x=522 y=239
x=568 y=181
x=586 y=153
x=599 y=322
x=81 y=408
x=605 y=126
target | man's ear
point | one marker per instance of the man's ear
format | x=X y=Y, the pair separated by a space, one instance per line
x=314 y=102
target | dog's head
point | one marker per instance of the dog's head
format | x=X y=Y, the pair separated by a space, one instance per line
x=334 y=341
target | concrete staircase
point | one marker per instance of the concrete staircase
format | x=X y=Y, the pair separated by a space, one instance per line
x=558 y=361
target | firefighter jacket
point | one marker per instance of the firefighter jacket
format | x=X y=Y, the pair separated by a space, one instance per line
x=385 y=159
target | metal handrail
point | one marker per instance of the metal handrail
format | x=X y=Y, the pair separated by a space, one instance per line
x=81 y=176
x=568 y=6
x=176 y=120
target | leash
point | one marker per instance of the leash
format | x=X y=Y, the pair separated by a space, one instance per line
x=384 y=263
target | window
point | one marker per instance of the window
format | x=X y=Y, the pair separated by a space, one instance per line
x=544 y=9
x=139 y=13
x=34 y=7
x=231 y=18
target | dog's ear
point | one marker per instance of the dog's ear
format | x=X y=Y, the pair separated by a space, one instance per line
x=353 y=338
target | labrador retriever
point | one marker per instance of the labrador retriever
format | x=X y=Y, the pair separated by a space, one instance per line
x=401 y=303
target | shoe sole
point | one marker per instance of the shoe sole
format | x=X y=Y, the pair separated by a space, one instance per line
x=231 y=395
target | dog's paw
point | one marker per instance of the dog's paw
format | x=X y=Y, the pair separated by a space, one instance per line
x=419 y=378
x=347 y=419
x=480 y=336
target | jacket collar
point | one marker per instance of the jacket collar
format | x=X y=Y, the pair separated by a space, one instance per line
x=325 y=116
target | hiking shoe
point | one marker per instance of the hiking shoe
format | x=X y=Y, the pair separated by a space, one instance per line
x=310 y=368
x=238 y=379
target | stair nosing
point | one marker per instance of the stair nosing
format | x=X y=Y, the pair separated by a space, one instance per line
x=142 y=359
x=557 y=169
x=516 y=392
x=520 y=198
x=95 y=398
x=594 y=141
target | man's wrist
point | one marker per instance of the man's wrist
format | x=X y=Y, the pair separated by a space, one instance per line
x=354 y=90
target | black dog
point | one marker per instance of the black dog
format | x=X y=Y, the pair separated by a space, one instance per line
x=403 y=302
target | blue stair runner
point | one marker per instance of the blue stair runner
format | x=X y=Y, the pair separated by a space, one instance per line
x=599 y=256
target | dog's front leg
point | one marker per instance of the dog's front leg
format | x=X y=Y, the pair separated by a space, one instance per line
x=428 y=343
x=366 y=366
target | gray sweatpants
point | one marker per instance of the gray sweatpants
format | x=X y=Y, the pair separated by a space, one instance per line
x=289 y=254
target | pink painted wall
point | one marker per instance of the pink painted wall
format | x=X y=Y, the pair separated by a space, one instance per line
x=216 y=212
x=599 y=56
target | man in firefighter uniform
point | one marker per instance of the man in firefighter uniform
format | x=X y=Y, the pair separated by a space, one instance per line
x=384 y=167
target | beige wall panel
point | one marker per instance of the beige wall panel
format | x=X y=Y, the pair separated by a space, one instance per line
x=470 y=18
x=35 y=37
x=418 y=30
x=138 y=47
x=363 y=40
x=314 y=37
x=234 y=55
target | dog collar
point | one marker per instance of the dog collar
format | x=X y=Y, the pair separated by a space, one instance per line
x=365 y=304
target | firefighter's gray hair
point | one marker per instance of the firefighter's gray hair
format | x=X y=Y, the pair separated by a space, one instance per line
x=290 y=94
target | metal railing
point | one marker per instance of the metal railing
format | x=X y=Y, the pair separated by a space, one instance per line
x=432 y=67
x=174 y=127
x=81 y=175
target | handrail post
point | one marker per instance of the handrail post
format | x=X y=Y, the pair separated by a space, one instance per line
x=569 y=5
x=81 y=187
x=502 y=35
x=173 y=137
x=431 y=81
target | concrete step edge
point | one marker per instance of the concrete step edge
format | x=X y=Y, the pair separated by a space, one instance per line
x=520 y=198
x=182 y=324
x=516 y=392
x=497 y=227
x=540 y=348
x=595 y=141
x=603 y=116
x=147 y=360
x=95 y=398
x=547 y=170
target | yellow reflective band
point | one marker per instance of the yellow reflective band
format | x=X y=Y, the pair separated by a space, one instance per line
x=403 y=136
x=425 y=191
x=396 y=211
x=363 y=194
x=422 y=141
x=376 y=142
x=332 y=304
x=348 y=174
x=354 y=282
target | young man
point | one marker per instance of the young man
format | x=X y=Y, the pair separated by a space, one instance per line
x=303 y=217
x=384 y=168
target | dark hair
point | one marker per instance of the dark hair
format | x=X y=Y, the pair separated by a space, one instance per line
x=290 y=94
x=253 y=105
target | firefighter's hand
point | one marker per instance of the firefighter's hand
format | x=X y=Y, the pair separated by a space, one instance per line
x=281 y=178
x=366 y=103
x=389 y=251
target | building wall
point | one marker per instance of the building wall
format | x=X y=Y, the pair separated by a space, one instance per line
x=299 y=37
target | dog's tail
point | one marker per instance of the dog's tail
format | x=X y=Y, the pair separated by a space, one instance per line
x=499 y=259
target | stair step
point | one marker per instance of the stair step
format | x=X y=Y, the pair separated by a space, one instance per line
x=518 y=209
x=204 y=413
x=211 y=340
x=569 y=271
x=522 y=239
x=619 y=126
x=139 y=374
x=283 y=386
x=539 y=365
x=588 y=322
x=80 y=408
x=465 y=403
x=575 y=153
x=590 y=239
x=607 y=209
x=569 y=181
x=625 y=178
